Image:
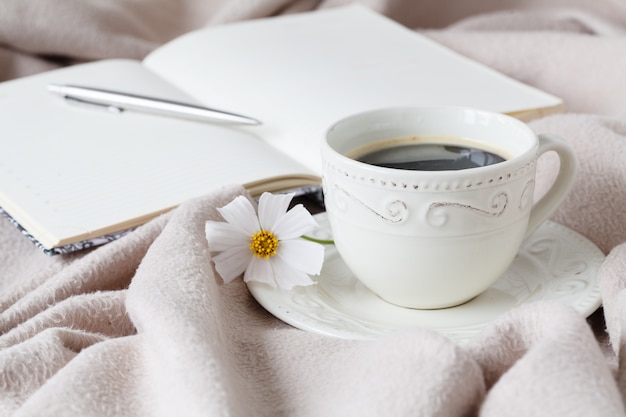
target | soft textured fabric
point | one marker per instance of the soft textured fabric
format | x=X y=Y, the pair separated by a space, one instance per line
x=144 y=327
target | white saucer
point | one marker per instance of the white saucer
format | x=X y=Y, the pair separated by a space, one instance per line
x=555 y=263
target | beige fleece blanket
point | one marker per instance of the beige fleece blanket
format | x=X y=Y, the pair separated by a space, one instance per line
x=144 y=327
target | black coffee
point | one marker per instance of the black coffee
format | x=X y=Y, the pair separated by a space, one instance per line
x=430 y=157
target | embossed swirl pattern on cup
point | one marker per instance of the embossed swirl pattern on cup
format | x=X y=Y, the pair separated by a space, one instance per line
x=397 y=210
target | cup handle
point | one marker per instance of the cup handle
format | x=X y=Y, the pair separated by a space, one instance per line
x=544 y=208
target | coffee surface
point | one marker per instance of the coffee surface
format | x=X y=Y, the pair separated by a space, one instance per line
x=430 y=157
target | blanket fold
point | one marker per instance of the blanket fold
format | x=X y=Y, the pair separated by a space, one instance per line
x=526 y=359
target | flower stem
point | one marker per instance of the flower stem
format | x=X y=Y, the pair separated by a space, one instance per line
x=320 y=241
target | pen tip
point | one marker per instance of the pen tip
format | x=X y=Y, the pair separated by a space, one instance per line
x=247 y=120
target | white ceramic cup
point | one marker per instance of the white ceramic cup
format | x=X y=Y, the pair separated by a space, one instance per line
x=436 y=239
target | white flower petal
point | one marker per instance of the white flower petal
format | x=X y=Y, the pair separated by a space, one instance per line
x=240 y=213
x=287 y=276
x=271 y=208
x=221 y=236
x=296 y=258
x=232 y=262
x=260 y=270
x=302 y=255
x=295 y=223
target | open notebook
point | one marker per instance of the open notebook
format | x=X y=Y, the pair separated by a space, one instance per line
x=72 y=176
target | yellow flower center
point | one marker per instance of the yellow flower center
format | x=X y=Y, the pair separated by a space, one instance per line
x=264 y=244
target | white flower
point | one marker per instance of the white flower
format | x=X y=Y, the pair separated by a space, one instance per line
x=268 y=248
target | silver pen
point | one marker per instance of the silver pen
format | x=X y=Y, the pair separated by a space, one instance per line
x=118 y=102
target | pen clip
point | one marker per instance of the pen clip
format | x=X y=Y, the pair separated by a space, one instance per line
x=89 y=104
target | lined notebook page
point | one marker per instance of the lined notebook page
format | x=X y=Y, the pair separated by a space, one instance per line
x=300 y=73
x=69 y=170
